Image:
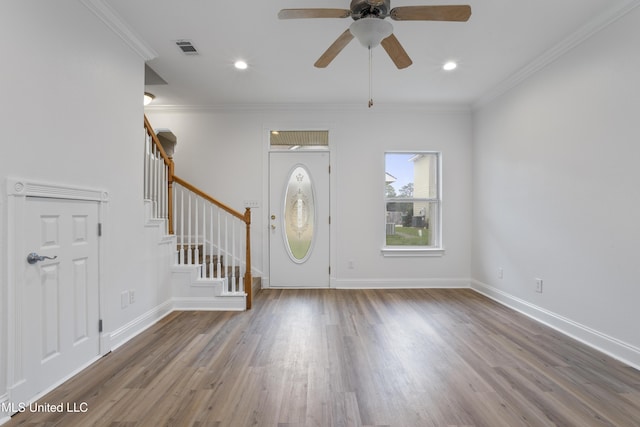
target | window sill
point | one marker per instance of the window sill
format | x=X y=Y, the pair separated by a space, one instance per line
x=411 y=252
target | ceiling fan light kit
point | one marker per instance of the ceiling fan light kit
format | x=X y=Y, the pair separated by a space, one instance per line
x=370 y=31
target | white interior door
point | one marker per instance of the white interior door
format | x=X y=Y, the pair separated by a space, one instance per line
x=60 y=295
x=299 y=219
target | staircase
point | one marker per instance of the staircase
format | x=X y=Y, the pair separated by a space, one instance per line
x=210 y=267
x=212 y=264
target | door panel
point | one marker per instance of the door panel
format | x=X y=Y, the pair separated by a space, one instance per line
x=299 y=219
x=61 y=302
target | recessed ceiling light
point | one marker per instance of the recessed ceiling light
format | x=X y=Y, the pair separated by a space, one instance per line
x=449 y=66
x=240 y=65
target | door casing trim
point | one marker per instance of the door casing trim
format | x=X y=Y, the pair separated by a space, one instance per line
x=331 y=148
x=17 y=191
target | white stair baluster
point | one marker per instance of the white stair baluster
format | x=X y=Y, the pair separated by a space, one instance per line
x=242 y=261
x=233 y=257
x=155 y=182
x=146 y=166
x=175 y=216
x=203 y=268
x=219 y=248
x=196 y=250
x=165 y=193
x=182 y=260
x=159 y=165
x=226 y=250
x=152 y=176
x=189 y=249
x=211 y=242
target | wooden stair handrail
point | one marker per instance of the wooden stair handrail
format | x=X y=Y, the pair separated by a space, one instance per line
x=205 y=196
x=167 y=160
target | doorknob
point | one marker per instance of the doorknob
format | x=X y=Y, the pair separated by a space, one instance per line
x=273 y=217
x=33 y=257
x=273 y=227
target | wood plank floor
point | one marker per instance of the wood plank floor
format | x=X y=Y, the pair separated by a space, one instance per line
x=350 y=358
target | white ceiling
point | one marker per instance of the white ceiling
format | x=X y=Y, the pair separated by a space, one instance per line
x=502 y=41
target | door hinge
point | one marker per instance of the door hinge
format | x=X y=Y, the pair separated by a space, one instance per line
x=329 y=270
x=99 y=325
x=99 y=229
x=329 y=219
x=329 y=168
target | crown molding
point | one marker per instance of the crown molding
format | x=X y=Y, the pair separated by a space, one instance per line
x=116 y=24
x=276 y=107
x=575 y=39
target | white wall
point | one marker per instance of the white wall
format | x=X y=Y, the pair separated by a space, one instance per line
x=71 y=113
x=555 y=192
x=224 y=153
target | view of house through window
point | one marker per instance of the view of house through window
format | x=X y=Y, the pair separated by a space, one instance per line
x=412 y=199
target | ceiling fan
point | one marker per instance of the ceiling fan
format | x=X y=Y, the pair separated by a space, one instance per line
x=370 y=27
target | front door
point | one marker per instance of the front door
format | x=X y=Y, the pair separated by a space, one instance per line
x=60 y=295
x=299 y=219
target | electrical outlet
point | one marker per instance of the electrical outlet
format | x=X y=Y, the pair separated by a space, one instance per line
x=500 y=273
x=132 y=296
x=539 y=286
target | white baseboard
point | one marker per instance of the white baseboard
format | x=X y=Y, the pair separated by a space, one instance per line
x=126 y=332
x=442 y=283
x=138 y=325
x=611 y=346
x=221 y=303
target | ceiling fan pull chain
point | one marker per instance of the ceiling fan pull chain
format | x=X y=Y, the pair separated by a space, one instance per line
x=370 y=78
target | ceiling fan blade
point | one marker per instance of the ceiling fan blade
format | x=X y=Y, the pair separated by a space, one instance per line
x=313 y=13
x=396 y=52
x=460 y=13
x=334 y=49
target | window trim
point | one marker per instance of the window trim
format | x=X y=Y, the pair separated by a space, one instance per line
x=416 y=251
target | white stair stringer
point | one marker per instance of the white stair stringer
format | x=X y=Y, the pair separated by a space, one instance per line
x=190 y=292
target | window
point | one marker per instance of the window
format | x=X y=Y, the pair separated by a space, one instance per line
x=412 y=198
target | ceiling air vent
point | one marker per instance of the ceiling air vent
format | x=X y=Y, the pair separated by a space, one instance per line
x=187 y=47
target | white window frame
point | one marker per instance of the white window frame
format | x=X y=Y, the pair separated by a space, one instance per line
x=415 y=251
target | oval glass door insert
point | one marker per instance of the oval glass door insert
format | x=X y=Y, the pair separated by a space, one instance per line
x=299 y=214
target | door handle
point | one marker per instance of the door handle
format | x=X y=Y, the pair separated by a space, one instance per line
x=33 y=257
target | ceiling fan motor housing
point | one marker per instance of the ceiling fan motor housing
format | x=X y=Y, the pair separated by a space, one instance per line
x=364 y=8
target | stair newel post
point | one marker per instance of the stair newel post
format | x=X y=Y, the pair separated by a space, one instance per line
x=247 y=274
